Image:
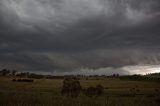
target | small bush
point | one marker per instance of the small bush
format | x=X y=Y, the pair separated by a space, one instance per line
x=100 y=90
x=94 y=91
x=13 y=80
x=157 y=100
x=90 y=91
x=156 y=90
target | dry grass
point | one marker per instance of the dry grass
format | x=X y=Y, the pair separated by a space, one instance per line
x=46 y=92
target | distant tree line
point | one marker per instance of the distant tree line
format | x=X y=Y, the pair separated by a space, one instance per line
x=148 y=77
x=153 y=75
x=5 y=72
x=140 y=78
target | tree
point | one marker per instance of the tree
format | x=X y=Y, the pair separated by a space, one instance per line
x=14 y=72
x=71 y=87
x=5 y=72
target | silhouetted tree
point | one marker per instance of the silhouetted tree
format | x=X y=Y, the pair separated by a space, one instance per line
x=14 y=72
x=71 y=87
x=5 y=72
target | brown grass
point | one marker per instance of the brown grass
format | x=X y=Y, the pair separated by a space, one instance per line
x=46 y=92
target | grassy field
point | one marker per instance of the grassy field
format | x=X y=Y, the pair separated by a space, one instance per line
x=46 y=92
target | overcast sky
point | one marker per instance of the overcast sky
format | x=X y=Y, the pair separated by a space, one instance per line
x=69 y=35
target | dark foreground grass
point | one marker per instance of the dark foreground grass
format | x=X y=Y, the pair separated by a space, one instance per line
x=46 y=92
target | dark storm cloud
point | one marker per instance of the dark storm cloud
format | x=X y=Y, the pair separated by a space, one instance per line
x=70 y=34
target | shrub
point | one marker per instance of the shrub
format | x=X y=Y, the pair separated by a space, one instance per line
x=13 y=80
x=94 y=91
x=157 y=100
x=100 y=90
x=90 y=91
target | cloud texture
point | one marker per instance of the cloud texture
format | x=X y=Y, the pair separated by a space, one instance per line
x=66 y=35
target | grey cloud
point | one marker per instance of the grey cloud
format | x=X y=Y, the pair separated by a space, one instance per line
x=66 y=35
